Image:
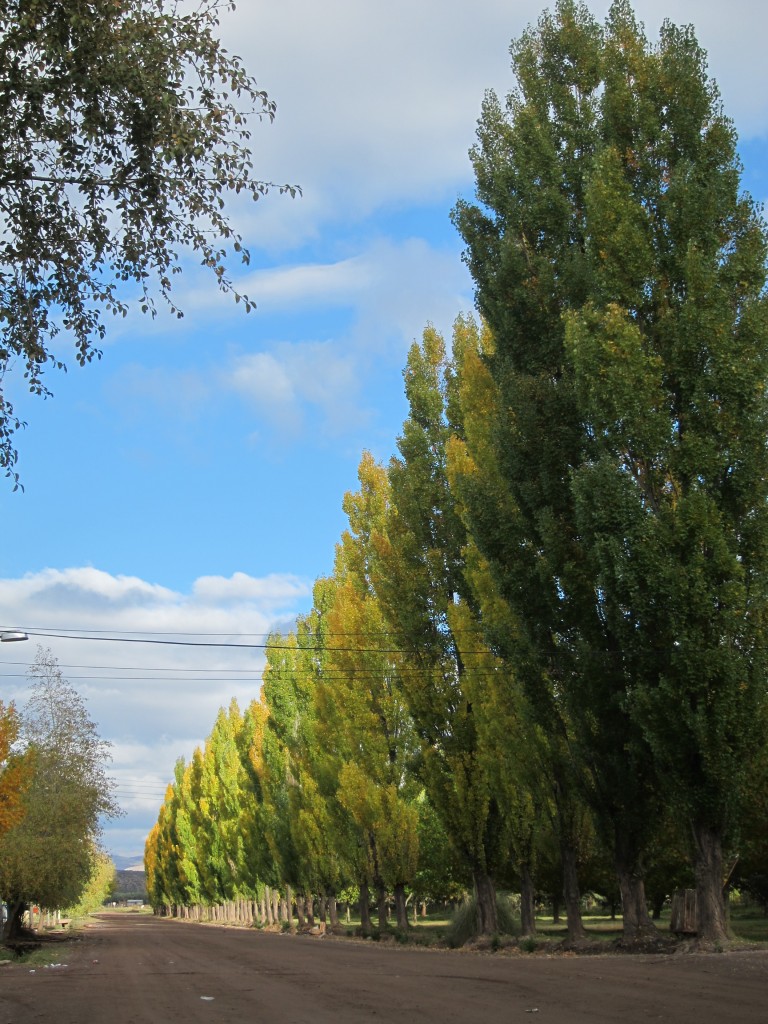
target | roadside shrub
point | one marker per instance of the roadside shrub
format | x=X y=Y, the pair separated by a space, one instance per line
x=464 y=923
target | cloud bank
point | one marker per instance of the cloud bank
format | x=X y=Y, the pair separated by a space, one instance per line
x=154 y=701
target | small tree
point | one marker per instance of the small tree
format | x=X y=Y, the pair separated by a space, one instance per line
x=48 y=857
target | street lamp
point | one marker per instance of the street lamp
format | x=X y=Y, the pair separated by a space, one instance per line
x=9 y=636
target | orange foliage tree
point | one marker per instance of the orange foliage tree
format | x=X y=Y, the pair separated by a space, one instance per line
x=15 y=770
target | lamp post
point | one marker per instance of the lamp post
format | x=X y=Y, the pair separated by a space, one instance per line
x=9 y=636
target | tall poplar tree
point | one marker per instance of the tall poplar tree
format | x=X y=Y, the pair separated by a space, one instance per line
x=537 y=753
x=622 y=273
x=223 y=789
x=361 y=698
x=422 y=581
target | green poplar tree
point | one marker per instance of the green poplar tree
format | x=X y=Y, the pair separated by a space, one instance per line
x=220 y=806
x=258 y=864
x=360 y=698
x=541 y=752
x=425 y=593
x=622 y=274
x=165 y=886
x=187 y=850
x=286 y=701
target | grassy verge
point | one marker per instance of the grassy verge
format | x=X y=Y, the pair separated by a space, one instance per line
x=749 y=924
x=47 y=950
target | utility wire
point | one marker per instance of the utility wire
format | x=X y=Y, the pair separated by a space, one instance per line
x=229 y=645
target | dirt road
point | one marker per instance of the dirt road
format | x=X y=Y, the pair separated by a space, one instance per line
x=142 y=970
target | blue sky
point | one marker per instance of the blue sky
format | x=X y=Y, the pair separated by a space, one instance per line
x=190 y=483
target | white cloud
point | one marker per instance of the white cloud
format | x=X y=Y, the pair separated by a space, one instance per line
x=394 y=291
x=319 y=284
x=389 y=282
x=269 y=591
x=85 y=587
x=308 y=389
x=154 y=701
x=377 y=102
x=293 y=381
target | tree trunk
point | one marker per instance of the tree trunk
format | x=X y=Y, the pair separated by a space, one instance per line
x=309 y=910
x=629 y=871
x=572 y=894
x=275 y=906
x=14 y=926
x=527 y=902
x=485 y=893
x=322 y=907
x=401 y=908
x=365 y=911
x=300 y=909
x=637 y=921
x=333 y=912
x=381 y=902
x=268 y=902
x=17 y=918
x=289 y=901
x=711 y=919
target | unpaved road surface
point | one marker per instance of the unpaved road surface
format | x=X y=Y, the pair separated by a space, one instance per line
x=142 y=970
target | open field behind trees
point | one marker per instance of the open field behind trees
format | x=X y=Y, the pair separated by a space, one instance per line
x=540 y=663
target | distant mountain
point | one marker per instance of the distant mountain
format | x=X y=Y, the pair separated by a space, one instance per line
x=130 y=885
x=129 y=863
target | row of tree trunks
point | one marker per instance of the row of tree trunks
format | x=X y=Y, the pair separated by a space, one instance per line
x=271 y=909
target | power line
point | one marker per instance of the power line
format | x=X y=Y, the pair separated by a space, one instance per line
x=260 y=678
x=142 y=679
x=146 y=640
x=110 y=633
x=237 y=646
x=130 y=668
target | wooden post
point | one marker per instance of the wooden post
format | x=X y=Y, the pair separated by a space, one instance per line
x=683 y=919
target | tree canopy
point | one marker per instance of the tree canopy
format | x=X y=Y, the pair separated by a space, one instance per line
x=48 y=855
x=622 y=273
x=15 y=770
x=123 y=126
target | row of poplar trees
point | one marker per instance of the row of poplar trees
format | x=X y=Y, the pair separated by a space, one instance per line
x=553 y=599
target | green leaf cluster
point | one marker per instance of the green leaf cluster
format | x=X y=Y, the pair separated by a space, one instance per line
x=123 y=128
